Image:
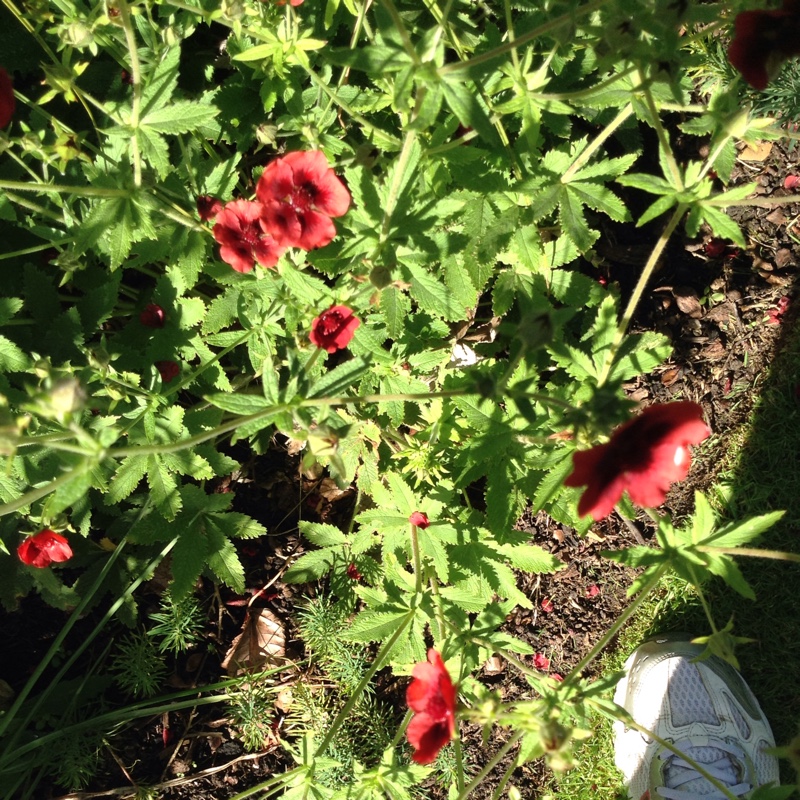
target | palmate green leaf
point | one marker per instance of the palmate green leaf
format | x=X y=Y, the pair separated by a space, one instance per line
x=395 y=307
x=726 y=568
x=70 y=492
x=159 y=86
x=722 y=225
x=464 y=100
x=640 y=354
x=433 y=296
x=181 y=116
x=244 y=404
x=128 y=476
x=472 y=594
x=340 y=378
x=155 y=151
x=573 y=221
x=375 y=60
x=552 y=482
x=9 y=307
x=737 y=533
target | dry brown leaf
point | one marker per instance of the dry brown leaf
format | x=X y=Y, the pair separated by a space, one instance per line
x=758 y=151
x=669 y=376
x=688 y=301
x=283 y=702
x=260 y=645
x=713 y=351
x=494 y=665
x=776 y=217
x=723 y=312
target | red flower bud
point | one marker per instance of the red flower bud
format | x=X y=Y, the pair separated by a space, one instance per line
x=152 y=316
x=208 y=207
x=419 y=520
x=168 y=370
x=353 y=573
x=7 y=101
x=44 y=548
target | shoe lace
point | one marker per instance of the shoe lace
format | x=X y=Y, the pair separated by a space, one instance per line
x=722 y=760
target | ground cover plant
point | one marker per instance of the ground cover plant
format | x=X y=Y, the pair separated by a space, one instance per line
x=371 y=232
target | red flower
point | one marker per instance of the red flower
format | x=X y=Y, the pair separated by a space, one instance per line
x=353 y=573
x=541 y=661
x=333 y=329
x=292 y=2
x=432 y=697
x=168 y=370
x=763 y=40
x=245 y=240
x=7 y=101
x=152 y=316
x=556 y=677
x=419 y=519
x=43 y=548
x=715 y=248
x=592 y=590
x=301 y=193
x=547 y=605
x=791 y=182
x=208 y=207
x=644 y=456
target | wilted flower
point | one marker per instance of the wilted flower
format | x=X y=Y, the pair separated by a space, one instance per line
x=353 y=573
x=715 y=248
x=168 y=370
x=791 y=182
x=208 y=207
x=644 y=456
x=419 y=520
x=300 y=194
x=547 y=605
x=432 y=697
x=242 y=233
x=7 y=101
x=541 y=661
x=333 y=329
x=592 y=590
x=43 y=548
x=152 y=316
x=763 y=40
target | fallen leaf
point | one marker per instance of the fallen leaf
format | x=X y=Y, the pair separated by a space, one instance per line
x=260 y=645
x=688 y=301
x=283 y=701
x=494 y=665
x=722 y=312
x=776 y=217
x=758 y=151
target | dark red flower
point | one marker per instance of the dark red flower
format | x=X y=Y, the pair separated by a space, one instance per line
x=419 y=520
x=43 y=548
x=592 y=590
x=715 y=248
x=152 y=316
x=644 y=456
x=353 y=573
x=168 y=370
x=432 y=697
x=242 y=233
x=541 y=661
x=333 y=329
x=763 y=40
x=547 y=605
x=208 y=207
x=7 y=101
x=300 y=194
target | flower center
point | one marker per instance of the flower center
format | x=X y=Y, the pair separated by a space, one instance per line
x=251 y=233
x=331 y=322
x=303 y=196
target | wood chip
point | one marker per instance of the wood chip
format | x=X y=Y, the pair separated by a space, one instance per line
x=494 y=665
x=776 y=217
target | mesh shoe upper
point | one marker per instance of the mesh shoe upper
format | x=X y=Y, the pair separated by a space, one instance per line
x=707 y=713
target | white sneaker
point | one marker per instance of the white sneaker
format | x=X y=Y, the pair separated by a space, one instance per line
x=703 y=708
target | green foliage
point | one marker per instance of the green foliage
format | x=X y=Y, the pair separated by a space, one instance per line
x=137 y=666
x=179 y=624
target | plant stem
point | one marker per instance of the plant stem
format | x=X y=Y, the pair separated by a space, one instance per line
x=597 y=142
x=42 y=491
x=498 y=757
x=574 y=674
x=663 y=139
x=78 y=191
x=136 y=80
x=641 y=285
x=752 y=552
x=417 y=561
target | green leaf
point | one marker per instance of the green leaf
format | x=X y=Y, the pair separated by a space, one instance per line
x=395 y=307
x=340 y=378
x=738 y=533
x=727 y=569
x=222 y=558
x=464 y=100
x=374 y=626
x=163 y=488
x=433 y=296
x=181 y=116
x=189 y=556
x=243 y=404
x=12 y=359
x=128 y=476
x=311 y=566
x=531 y=558
x=322 y=535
